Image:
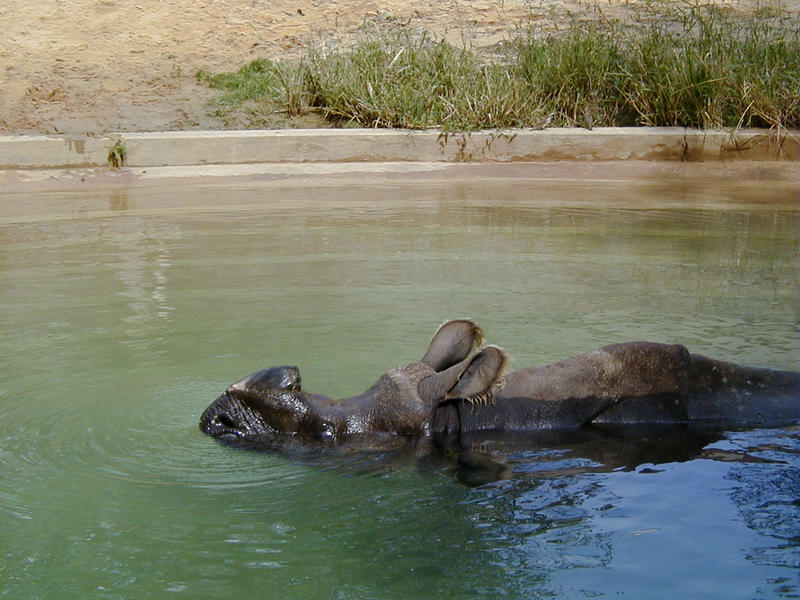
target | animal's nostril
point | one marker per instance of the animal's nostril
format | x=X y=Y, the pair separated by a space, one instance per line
x=224 y=420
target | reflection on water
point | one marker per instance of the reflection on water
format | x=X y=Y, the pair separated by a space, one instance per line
x=142 y=268
x=124 y=314
x=658 y=528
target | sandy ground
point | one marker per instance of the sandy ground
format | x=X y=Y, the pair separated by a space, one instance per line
x=96 y=66
x=88 y=66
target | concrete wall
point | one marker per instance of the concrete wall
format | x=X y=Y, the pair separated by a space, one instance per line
x=375 y=145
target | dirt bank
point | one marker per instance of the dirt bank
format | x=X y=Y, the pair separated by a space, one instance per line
x=88 y=66
x=94 y=66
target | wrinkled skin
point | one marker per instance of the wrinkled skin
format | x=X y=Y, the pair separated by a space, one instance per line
x=455 y=390
x=403 y=401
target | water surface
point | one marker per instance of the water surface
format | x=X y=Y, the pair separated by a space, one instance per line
x=125 y=311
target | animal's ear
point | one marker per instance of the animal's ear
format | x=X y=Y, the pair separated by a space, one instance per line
x=452 y=343
x=282 y=378
x=483 y=377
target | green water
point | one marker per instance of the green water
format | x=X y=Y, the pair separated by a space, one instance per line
x=125 y=311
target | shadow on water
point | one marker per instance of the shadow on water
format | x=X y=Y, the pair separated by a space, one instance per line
x=603 y=510
x=647 y=524
x=600 y=448
x=481 y=458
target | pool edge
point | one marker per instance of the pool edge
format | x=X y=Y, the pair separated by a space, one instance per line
x=187 y=148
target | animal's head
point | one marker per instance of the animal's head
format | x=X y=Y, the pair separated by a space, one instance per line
x=272 y=402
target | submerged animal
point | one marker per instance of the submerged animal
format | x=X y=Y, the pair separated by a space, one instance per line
x=403 y=401
x=459 y=387
x=632 y=383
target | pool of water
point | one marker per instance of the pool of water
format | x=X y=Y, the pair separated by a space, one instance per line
x=125 y=310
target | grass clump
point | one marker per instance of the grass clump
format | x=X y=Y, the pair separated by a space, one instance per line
x=117 y=154
x=707 y=66
x=668 y=64
x=575 y=75
x=267 y=88
x=403 y=81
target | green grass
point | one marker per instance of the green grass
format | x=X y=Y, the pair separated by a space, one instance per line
x=117 y=154
x=672 y=64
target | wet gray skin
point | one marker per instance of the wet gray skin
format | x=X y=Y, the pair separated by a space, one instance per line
x=401 y=402
x=632 y=383
x=458 y=387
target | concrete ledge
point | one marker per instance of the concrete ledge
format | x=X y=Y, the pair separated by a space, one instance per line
x=373 y=145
